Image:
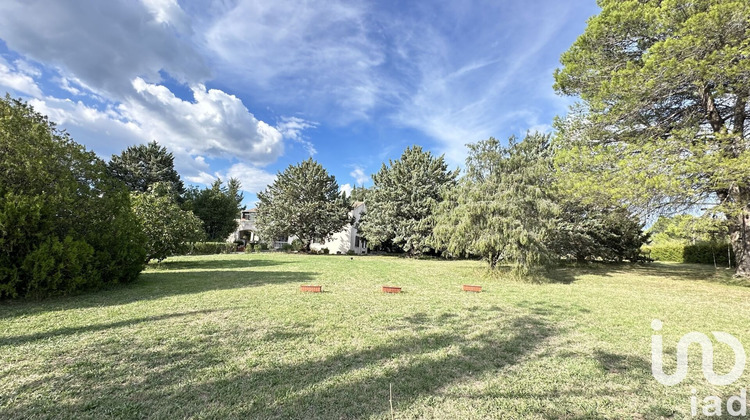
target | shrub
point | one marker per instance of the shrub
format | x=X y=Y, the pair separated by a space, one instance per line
x=700 y=253
x=350 y=252
x=297 y=245
x=286 y=247
x=65 y=223
x=211 y=248
x=324 y=251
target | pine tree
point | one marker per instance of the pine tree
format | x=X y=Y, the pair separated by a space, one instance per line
x=401 y=203
x=303 y=201
x=143 y=165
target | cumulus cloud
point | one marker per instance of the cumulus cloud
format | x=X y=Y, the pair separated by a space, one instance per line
x=346 y=188
x=215 y=123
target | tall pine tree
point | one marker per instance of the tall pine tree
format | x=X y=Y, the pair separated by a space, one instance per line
x=401 y=203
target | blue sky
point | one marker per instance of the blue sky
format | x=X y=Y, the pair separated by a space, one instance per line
x=245 y=88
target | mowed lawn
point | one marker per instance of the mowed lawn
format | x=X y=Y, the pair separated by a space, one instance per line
x=231 y=336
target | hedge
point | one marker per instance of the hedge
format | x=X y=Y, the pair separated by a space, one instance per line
x=211 y=248
x=700 y=253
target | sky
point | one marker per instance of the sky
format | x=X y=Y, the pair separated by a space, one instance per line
x=245 y=88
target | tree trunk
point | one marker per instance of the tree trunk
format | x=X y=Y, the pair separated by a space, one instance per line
x=739 y=234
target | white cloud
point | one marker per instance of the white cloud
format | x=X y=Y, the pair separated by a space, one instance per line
x=253 y=179
x=104 y=45
x=359 y=175
x=322 y=53
x=215 y=124
x=293 y=128
x=347 y=188
x=17 y=80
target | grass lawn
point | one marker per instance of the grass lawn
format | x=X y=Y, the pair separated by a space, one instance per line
x=232 y=336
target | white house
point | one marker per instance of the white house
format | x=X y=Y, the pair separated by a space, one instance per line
x=348 y=239
x=339 y=243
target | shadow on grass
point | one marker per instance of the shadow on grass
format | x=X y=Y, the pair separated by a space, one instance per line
x=156 y=285
x=23 y=339
x=567 y=273
x=209 y=265
x=348 y=384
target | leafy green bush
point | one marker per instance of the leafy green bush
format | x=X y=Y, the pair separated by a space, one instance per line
x=700 y=253
x=286 y=247
x=65 y=223
x=297 y=245
x=211 y=248
x=324 y=251
x=350 y=252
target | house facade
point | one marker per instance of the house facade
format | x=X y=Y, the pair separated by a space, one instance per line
x=348 y=239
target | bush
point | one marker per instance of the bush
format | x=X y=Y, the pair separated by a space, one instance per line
x=297 y=245
x=211 y=248
x=700 y=253
x=350 y=252
x=65 y=223
x=324 y=251
x=286 y=247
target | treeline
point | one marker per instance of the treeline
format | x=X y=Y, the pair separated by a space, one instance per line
x=71 y=221
x=507 y=207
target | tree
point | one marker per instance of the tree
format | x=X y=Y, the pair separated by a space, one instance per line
x=358 y=194
x=65 y=224
x=168 y=228
x=401 y=203
x=217 y=206
x=588 y=231
x=503 y=209
x=687 y=229
x=303 y=201
x=143 y=165
x=663 y=122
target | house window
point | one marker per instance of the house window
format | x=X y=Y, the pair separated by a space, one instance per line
x=356 y=241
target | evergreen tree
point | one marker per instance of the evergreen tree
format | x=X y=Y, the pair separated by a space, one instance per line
x=303 y=201
x=65 y=224
x=143 y=165
x=503 y=209
x=217 y=206
x=401 y=203
x=663 y=122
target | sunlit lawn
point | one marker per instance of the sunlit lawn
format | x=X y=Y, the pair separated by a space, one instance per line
x=232 y=336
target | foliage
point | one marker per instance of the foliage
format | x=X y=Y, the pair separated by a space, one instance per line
x=286 y=247
x=698 y=253
x=297 y=245
x=212 y=248
x=402 y=201
x=587 y=231
x=663 y=123
x=65 y=224
x=358 y=194
x=141 y=166
x=686 y=228
x=503 y=208
x=325 y=251
x=350 y=252
x=303 y=201
x=169 y=229
x=217 y=206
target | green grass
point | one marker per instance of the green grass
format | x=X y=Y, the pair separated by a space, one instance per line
x=232 y=337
